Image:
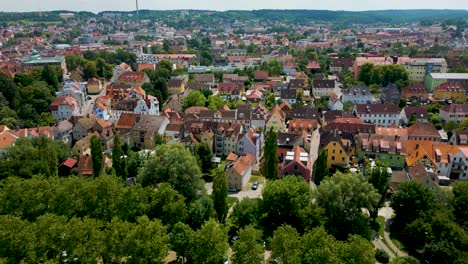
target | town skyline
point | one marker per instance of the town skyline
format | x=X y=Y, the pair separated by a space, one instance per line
x=120 y=5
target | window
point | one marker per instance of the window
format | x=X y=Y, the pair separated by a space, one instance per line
x=333 y=157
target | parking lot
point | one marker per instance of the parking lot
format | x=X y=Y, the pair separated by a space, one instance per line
x=246 y=192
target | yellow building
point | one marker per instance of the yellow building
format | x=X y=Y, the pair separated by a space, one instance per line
x=451 y=90
x=276 y=120
x=337 y=153
x=176 y=86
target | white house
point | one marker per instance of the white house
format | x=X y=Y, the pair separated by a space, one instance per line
x=378 y=114
x=251 y=142
x=420 y=114
x=62 y=108
x=145 y=106
x=335 y=104
x=119 y=70
x=357 y=95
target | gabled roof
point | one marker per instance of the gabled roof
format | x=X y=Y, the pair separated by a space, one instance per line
x=419 y=112
x=243 y=163
x=377 y=109
x=7 y=138
x=126 y=121
x=423 y=129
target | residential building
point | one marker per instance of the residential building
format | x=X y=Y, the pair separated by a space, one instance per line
x=340 y=65
x=260 y=76
x=452 y=161
x=385 y=148
x=415 y=92
x=83 y=127
x=418 y=68
x=304 y=112
x=231 y=91
x=419 y=114
x=63 y=108
x=298 y=125
x=251 y=142
x=322 y=88
x=146 y=130
x=424 y=131
x=176 y=86
x=289 y=96
x=453 y=112
x=337 y=152
x=207 y=79
x=276 y=120
x=378 y=114
x=148 y=105
x=76 y=90
x=135 y=79
x=297 y=162
x=435 y=79
x=390 y=94
x=451 y=90
x=351 y=125
x=38 y=62
x=239 y=172
x=95 y=85
x=334 y=103
x=459 y=137
x=357 y=95
x=119 y=70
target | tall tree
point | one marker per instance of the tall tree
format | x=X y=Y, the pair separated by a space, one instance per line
x=380 y=179
x=284 y=203
x=365 y=73
x=410 y=201
x=49 y=75
x=286 y=245
x=96 y=155
x=210 y=245
x=182 y=240
x=118 y=158
x=248 y=249
x=343 y=197
x=220 y=192
x=205 y=156
x=175 y=165
x=460 y=202
x=270 y=156
x=321 y=167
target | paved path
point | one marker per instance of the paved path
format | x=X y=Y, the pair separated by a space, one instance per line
x=387 y=213
x=379 y=244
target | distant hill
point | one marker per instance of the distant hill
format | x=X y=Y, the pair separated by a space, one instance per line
x=287 y=16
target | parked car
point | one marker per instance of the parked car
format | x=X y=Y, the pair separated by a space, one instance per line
x=255 y=186
x=232 y=190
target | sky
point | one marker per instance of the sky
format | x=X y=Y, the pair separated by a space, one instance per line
x=353 y=5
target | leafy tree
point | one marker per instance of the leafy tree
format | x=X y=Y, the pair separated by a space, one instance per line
x=463 y=124
x=215 y=102
x=382 y=256
x=210 y=243
x=205 y=156
x=348 y=106
x=175 y=165
x=200 y=211
x=220 y=191
x=320 y=247
x=9 y=90
x=365 y=73
x=118 y=158
x=46 y=119
x=286 y=245
x=182 y=240
x=96 y=155
x=460 y=202
x=321 y=167
x=194 y=98
x=89 y=69
x=358 y=250
x=73 y=61
x=49 y=75
x=274 y=68
x=166 y=64
x=246 y=212
x=410 y=201
x=405 y=260
x=270 y=156
x=248 y=249
x=380 y=179
x=168 y=205
x=450 y=126
x=284 y=202
x=103 y=69
x=343 y=196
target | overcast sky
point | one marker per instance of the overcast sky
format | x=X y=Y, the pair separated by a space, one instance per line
x=100 y=5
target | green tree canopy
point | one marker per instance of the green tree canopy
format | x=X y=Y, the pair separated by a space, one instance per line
x=96 y=155
x=175 y=165
x=210 y=243
x=194 y=98
x=270 y=156
x=248 y=249
x=220 y=192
